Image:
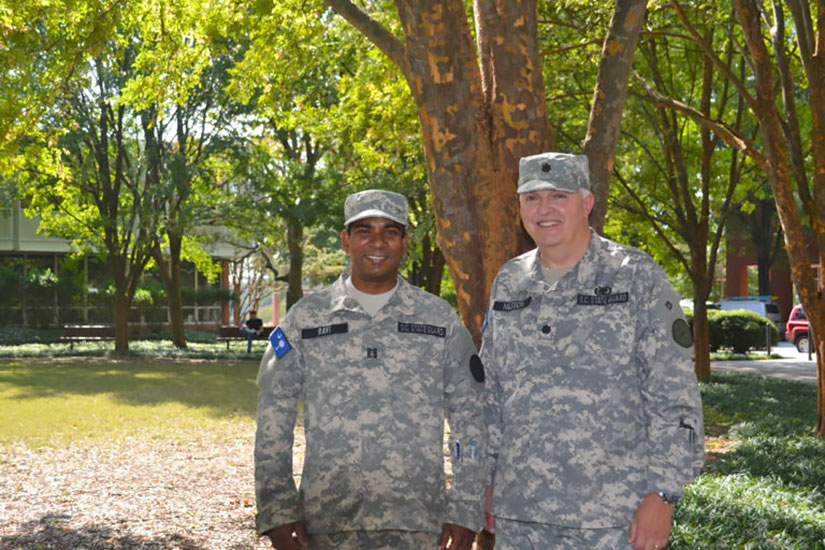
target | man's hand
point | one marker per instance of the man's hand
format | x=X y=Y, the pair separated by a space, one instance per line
x=650 y=527
x=456 y=537
x=489 y=520
x=291 y=536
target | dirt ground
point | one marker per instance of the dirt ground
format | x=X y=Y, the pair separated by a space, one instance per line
x=135 y=493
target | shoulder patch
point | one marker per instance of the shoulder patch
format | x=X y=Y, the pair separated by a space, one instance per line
x=512 y=306
x=419 y=328
x=315 y=332
x=279 y=343
x=682 y=333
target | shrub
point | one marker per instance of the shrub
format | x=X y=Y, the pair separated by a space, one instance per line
x=740 y=330
x=15 y=336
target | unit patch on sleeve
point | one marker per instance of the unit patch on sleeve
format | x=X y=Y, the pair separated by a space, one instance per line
x=315 y=332
x=279 y=343
x=512 y=306
x=682 y=333
x=420 y=328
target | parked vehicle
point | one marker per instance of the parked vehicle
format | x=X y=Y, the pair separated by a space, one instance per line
x=797 y=329
x=687 y=303
x=763 y=305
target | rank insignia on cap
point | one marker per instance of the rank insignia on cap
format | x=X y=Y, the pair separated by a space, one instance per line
x=546 y=167
x=279 y=342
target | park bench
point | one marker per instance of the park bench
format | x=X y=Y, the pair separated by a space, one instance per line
x=87 y=333
x=228 y=333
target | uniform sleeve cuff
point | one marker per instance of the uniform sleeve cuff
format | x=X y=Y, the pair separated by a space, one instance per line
x=270 y=517
x=469 y=515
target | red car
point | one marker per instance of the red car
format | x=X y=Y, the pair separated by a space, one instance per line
x=796 y=329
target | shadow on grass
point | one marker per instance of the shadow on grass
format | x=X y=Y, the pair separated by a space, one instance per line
x=223 y=388
x=50 y=531
x=769 y=491
x=740 y=514
x=774 y=422
x=772 y=406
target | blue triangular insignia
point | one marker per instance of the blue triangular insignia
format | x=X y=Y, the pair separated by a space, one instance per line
x=279 y=342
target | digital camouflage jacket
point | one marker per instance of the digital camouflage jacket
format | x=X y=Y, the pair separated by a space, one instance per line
x=591 y=394
x=375 y=393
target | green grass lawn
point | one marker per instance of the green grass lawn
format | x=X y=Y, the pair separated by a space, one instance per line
x=55 y=401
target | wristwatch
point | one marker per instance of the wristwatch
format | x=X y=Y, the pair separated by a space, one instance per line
x=669 y=498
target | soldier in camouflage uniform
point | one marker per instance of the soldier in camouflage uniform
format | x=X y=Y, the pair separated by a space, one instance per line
x=594 y=409
x=378 y=364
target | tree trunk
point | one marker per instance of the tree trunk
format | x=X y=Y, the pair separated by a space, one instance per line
x=701 y=339
x=122 y=303
x=763 y=230
x=609 y=98
x=170 y=274
x=820 y=384
x=295 y=240
x=780 y=177
x=428 y=270
x=175 y=293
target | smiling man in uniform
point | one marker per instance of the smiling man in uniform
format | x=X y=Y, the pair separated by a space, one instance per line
x=379 y=364
x=595 y=414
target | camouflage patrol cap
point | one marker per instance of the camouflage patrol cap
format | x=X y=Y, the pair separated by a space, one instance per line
x=558 y=171
x=376 y=203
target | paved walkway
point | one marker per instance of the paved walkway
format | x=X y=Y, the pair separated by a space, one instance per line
x=792 y=366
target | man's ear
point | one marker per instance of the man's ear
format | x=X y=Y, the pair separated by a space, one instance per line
x=345 y=241
x=589 y=201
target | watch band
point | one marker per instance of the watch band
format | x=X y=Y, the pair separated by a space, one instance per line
x=669 y=498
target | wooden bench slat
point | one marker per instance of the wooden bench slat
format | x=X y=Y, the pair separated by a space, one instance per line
x=91 y=333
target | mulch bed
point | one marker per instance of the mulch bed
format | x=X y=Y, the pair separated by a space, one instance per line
x=136 y=493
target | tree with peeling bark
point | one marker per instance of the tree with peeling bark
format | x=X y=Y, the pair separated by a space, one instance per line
x=792 y=133
x=481 y=107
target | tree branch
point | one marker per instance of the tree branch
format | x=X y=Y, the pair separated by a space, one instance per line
x=728 y=135
x=372 y=29
x=708 y=49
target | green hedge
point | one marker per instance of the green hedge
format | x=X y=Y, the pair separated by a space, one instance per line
x=738 y=330
x=16 y=336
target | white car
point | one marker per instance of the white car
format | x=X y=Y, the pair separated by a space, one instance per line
x=762 y=305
